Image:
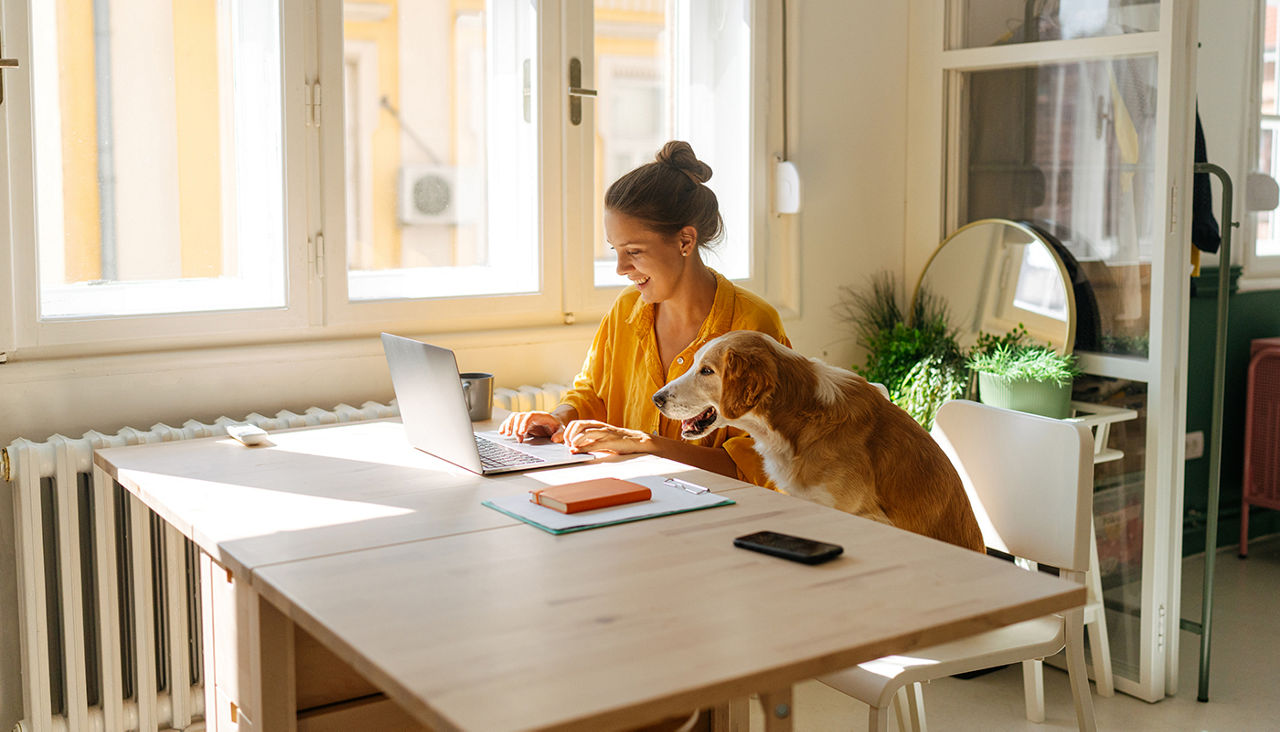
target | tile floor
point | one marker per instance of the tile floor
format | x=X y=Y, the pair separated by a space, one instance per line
x=1244 y=688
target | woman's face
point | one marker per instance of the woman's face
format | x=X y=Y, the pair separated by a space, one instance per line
x=654 y=263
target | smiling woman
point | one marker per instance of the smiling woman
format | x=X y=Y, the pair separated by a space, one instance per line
x=658 y=219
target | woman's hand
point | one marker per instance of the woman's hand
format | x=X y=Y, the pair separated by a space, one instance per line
x=532 y=424
x=588 y=435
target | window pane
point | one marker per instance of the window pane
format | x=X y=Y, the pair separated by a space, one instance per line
x=441 y=149
x=1118 y=489
x=1266 y=238
x=1269 y=56
x=159 y=168
x=977 y=23
x=1269 y=86
x=1069 y=147
x=677 y=70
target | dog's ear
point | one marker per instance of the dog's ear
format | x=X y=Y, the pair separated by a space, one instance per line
x=746 y=378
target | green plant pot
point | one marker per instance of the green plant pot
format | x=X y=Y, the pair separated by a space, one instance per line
x=1037 y=397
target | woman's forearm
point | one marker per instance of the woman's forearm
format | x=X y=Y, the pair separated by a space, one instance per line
x=715 y=459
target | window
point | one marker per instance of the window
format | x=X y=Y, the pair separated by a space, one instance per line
x=1070 y=148
x=684 y=75
x=158 y=142
x=1264 y=255
x=443 y=191
x=444 y=198
x=195 y=171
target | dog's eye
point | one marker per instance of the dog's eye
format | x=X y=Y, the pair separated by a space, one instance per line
x=705 y=371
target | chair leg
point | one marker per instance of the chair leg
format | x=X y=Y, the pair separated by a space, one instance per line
x=1080 y=691
x=1100 y=649
x=878 y=720
x=1244 y=529
x=1096 y=623
x=1033 y=688
x=900 y=704
x=915 y=706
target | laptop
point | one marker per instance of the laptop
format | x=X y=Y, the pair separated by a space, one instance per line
x=433 y=409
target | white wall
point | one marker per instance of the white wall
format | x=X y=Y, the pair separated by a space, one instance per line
x=850 y=150
x=851 y=154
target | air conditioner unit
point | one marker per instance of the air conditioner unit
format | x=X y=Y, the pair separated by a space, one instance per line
x=437 y=194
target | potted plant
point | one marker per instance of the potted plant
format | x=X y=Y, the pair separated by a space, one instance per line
x=1016 y=374
x=915 y=355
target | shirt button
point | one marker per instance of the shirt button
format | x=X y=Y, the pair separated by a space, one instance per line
x=680 y=360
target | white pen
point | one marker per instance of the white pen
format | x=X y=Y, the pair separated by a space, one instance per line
x=685 y=485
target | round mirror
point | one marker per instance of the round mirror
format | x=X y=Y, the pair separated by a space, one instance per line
x=992 y=275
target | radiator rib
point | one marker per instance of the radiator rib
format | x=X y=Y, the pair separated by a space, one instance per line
x=131 y=648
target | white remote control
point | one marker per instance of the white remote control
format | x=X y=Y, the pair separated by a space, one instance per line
x=247 y=433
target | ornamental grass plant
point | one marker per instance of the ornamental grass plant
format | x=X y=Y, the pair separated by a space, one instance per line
x=1013 y=357
x=1016 y=374
x=914 y=354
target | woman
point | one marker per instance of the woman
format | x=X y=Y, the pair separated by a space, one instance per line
x=656 y=218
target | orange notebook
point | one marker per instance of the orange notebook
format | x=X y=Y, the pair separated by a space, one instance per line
x=588 y=494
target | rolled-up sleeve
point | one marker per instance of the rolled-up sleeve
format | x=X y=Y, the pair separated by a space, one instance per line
x=584 y=395
x=742 y=451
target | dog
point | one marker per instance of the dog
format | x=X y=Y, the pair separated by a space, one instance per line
x=825 y=434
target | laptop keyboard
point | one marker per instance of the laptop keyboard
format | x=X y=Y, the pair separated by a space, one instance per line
x=496 y=455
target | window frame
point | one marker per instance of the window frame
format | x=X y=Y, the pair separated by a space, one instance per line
x=440 y=314
x=133 y=332
x=316 y=306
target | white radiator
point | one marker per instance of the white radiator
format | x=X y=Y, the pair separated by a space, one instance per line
x=109 y=595
x=528 y=398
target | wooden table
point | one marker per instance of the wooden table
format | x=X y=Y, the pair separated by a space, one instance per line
x=468 y=619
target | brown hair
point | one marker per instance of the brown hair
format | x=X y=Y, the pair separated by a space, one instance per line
x=669 y=194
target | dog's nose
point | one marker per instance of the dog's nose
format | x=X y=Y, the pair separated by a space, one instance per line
x=659 y=399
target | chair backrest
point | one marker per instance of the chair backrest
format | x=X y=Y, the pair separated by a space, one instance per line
x=1029 y=479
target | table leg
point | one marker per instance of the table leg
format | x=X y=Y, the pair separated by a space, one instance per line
x=252 y=656
x=731 y=717
x=777 y=710
x=276 y=669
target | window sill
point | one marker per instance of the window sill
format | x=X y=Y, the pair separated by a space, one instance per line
x=1259 y=282
x=48 y=361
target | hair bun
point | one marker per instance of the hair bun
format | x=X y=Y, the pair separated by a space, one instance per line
x=679 y=154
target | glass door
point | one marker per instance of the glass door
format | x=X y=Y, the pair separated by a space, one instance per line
x=1073 y=117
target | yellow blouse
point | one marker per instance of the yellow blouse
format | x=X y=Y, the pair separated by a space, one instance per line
x=622 y=369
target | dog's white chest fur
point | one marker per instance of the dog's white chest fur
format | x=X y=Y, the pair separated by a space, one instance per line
x=781 y=465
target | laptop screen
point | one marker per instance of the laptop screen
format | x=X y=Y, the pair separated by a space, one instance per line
x=433 y=407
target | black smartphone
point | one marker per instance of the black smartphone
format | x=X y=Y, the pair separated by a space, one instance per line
x=795 y=548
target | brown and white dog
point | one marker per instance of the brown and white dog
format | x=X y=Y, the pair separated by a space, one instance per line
x=826 y=435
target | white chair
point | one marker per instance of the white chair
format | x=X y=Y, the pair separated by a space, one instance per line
x=1030 y=481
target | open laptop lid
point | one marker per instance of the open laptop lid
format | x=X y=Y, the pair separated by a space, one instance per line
x=433 y=409
x=432 y=405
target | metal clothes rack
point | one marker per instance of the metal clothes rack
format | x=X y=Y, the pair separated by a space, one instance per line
x=1205 y=626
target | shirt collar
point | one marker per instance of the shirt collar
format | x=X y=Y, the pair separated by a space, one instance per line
x=641 y=316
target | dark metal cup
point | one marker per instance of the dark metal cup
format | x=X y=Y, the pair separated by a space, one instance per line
x=478 y=388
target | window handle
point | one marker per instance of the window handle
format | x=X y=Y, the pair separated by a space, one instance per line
x=576 y=92
x=5 y=63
